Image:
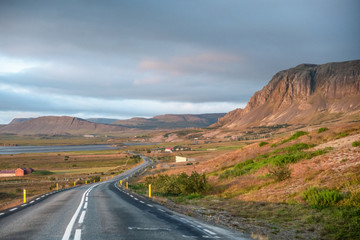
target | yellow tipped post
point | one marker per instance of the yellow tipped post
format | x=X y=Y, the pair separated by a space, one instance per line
x=57 y=186
x=85 y=181
x=127 y=185
x=149 y=190
x=121 y=182
x=74 y=184
x=24 y=196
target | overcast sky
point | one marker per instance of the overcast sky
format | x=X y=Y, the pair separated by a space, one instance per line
x=127 y=58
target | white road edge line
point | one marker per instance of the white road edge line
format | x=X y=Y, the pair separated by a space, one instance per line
x=69 y=227
x=1 y=213
x=142 y=201
x=77 y=234
x=85 y=205
x=32 y=201
x=150 y=205
x=13 y=209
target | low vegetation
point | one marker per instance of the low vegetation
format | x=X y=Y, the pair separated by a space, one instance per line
x=356 y=144
x=321 y=197
x=280 y=173
x=263 y=144
x=322 y=129
x=294 y=136
x=279 y=157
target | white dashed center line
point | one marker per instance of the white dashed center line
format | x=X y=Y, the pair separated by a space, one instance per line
x=77 y=234
x=82 y=216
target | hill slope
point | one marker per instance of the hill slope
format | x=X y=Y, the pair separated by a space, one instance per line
x=307 y=93
x=58 y=125
x=170 y=121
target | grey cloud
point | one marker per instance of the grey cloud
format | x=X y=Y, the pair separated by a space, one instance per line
x=157 y=50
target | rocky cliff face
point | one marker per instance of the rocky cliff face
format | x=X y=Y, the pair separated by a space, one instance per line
x=305 y=94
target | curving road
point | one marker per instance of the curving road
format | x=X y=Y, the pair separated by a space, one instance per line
x=103 y=211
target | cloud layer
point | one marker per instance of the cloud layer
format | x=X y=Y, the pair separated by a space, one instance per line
x=143 y=58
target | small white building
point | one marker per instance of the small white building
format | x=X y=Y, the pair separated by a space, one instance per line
x=181 y=159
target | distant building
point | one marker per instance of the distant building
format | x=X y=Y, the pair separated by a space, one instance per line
x=17 y=172
x=169 y=149
x=89 y=136
x=181 y=159
x=184 y=159
x=7 y=173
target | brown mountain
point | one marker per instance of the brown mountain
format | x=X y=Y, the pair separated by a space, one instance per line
x=306 y=94
x=58 y=125
x=19 y=120
x=171 y=121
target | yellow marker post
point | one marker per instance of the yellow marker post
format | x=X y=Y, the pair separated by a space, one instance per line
x=74 y=184
x=100 y=179
x=24 y=196
x=94 y=181
x=127 y=185
x=85 y=181
x=150 y=190
x=121 y=182
x=57 y=186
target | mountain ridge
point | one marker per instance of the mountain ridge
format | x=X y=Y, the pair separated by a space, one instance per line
x=307 y=93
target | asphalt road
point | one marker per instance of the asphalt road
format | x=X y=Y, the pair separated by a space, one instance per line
x=103 y=211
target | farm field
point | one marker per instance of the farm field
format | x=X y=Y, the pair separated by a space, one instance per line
x=63 y=168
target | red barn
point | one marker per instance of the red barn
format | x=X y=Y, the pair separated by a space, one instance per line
x=23 y=171
x=20 y=172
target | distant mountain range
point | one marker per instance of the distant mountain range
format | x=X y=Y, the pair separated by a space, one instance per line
x=58 y=125
x=51 y=125
x=306 y=94
x=170 y=121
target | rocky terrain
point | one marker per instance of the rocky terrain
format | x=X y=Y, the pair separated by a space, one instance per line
x=306 y=94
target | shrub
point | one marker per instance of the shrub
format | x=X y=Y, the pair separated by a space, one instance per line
x=321 y=197
x=356 y=144
x=180 y=184
x=322 y=129
x=263 y=144
x=96 y=178
x=280 y=173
